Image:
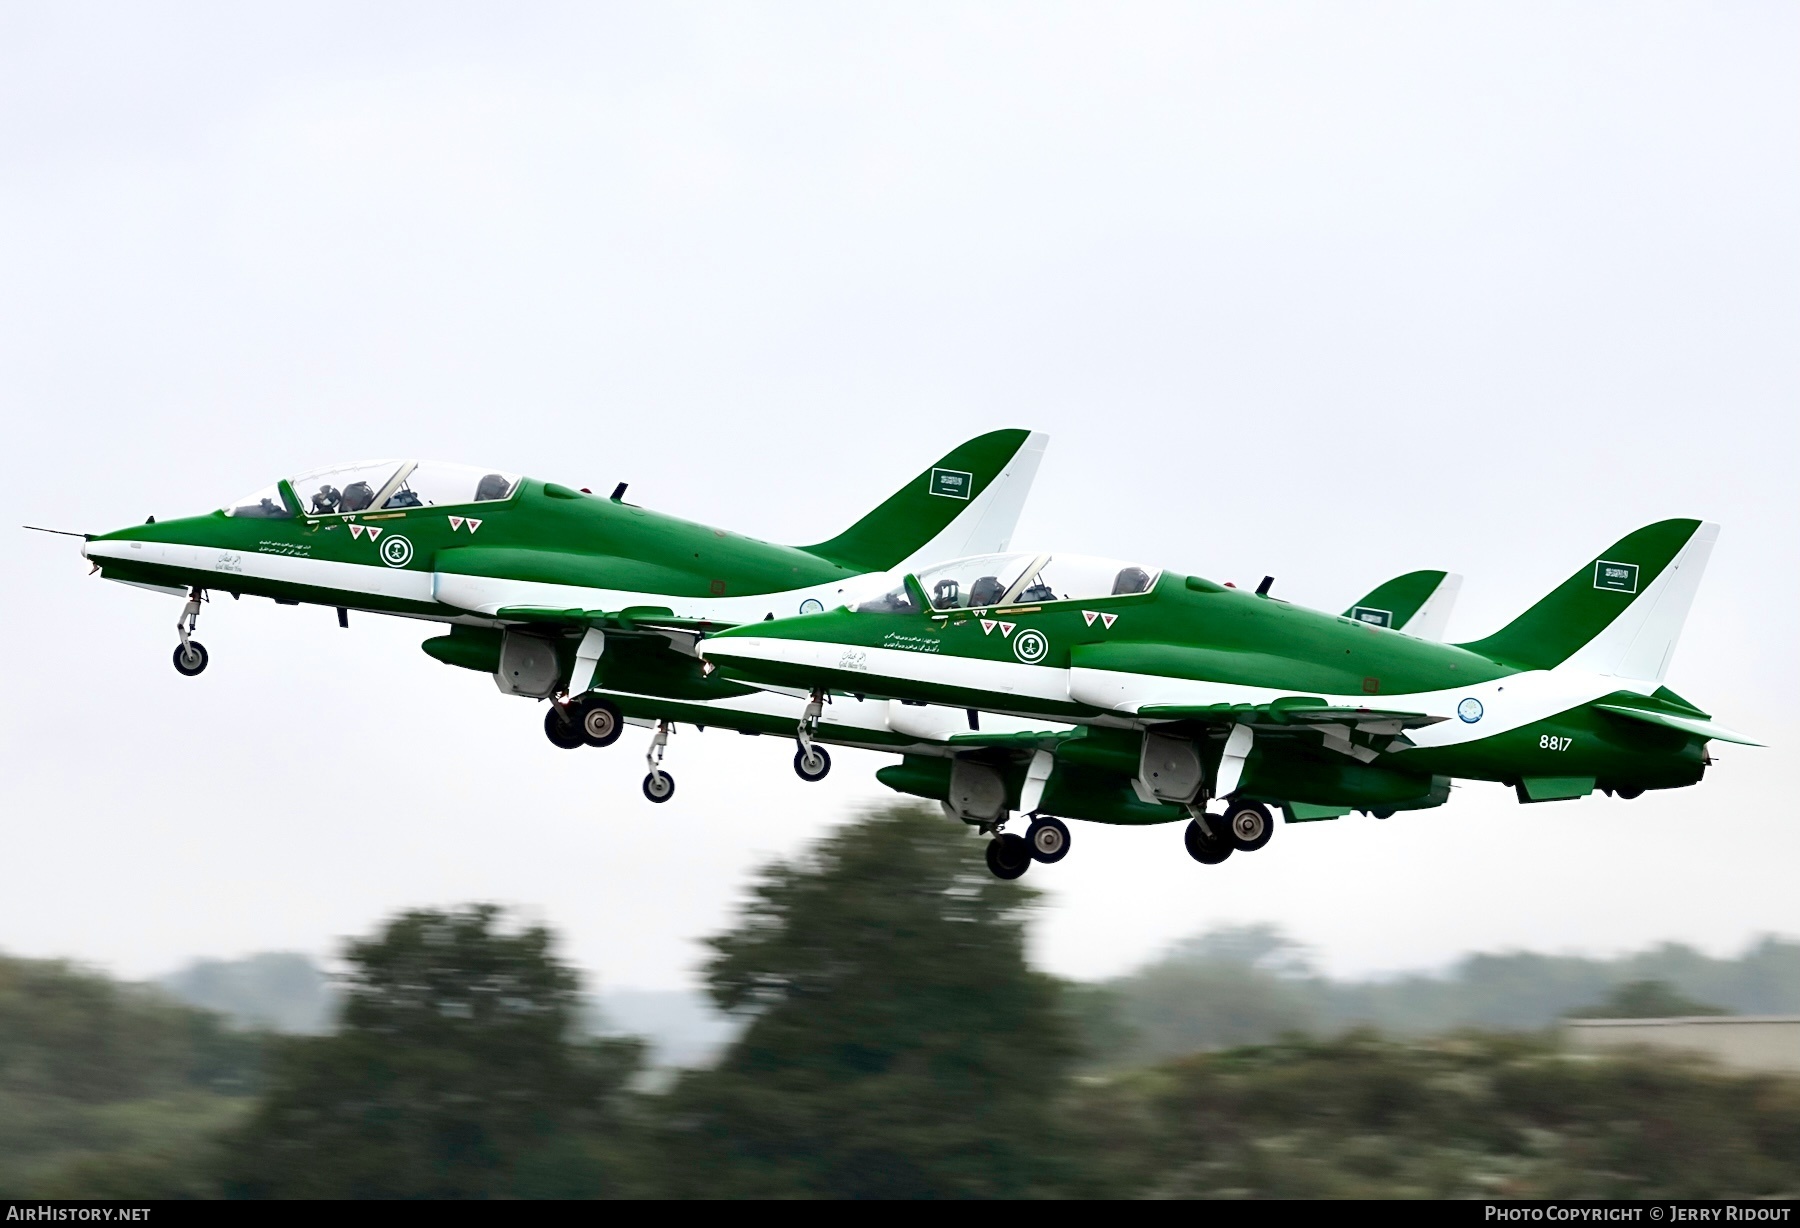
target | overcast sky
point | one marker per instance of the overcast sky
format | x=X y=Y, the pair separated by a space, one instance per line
x=1328 y=292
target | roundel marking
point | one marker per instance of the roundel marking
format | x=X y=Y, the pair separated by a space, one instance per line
x=1030 y=646
x=396 y=551
x=812 y=605
x=1469 y=710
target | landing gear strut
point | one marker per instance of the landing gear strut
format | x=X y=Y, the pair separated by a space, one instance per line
x=561 y=728
x=659 y=786
x=1207 y=842
x=811 y=762
x=190 y=654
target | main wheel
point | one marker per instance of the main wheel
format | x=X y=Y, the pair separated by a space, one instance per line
x=561 y=730
x=659 y=786
x=599 y=721
x=1205 y=849
x=190 y=658
x=1249 y=824
x=1008 y=856
x=813 y=764
x=1048 y=839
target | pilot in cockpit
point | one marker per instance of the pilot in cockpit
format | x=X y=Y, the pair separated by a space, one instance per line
x=1130 y=580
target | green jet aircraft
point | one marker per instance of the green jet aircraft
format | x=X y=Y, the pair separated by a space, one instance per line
x=591 y=602
x=1182 y=691
x=1420 y=602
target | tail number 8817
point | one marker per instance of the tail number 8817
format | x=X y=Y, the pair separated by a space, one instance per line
x=1551 y=742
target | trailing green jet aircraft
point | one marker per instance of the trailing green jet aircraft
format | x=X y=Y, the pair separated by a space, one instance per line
x=558 y=593
x=1420 y=599
x=1183 y=691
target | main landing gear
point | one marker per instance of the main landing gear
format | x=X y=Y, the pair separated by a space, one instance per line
x=587 y=720
x=1244 y=827
x=1009 y=855
x=190 y=654
x=811 y=762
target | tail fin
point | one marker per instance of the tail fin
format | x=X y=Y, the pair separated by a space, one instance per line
x=967 y=503
x=1418 y=603
x=1621 y=614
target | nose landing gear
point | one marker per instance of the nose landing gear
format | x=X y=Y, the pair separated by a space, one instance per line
x=659 y=786
x=811 y=762
x=190 y=654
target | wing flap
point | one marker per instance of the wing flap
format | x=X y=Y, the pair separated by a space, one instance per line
x=1296 y=711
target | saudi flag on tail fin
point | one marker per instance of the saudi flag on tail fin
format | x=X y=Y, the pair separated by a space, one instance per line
x=966 y=503
x=1418 y=603
x=1621 y=614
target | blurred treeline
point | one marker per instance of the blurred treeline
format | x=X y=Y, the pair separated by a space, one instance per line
x=893 y=1042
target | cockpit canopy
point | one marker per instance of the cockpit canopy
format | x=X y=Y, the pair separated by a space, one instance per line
x=377 y=486
x=986 y=580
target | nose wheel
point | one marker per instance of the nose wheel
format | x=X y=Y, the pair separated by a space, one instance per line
x=190 y=654
x=659 y=786
x=811 y=762
x=190 y=658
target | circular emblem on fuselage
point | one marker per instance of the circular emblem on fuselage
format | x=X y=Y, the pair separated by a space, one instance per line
x=396 y=551
x=812 y=605
x=1030 y=646
x=1469 y=710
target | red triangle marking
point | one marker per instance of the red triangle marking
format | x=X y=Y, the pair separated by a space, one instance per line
x=1109 y=619
x=455 y=523
x=372 y=531
x=1090 y=616
x=473 y=524
x=1006 y=629
x=356 y=531
x=987 y=626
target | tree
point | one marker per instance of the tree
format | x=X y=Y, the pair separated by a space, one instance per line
x=898 y=1045
x=1646 y=1000
x=455 y=1073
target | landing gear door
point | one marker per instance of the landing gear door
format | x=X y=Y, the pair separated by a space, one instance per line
x=1169 y=769
x=977 y=792
x=529 y=665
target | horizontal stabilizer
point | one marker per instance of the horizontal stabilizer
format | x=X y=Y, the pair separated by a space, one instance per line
x=1418 y=603
x=1698 y=726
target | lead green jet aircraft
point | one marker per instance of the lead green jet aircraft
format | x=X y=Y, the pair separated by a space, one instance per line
x=1180 y=691
x=591 y=602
